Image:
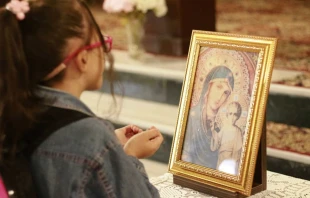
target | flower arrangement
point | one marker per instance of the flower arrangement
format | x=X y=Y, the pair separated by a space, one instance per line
x=132 y=13
x=136 y=7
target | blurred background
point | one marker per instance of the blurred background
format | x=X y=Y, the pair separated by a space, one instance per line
x=150 y=60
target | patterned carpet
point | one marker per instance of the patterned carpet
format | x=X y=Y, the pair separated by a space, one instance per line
x=287 y=20
x=288 y=138
x=299 y=81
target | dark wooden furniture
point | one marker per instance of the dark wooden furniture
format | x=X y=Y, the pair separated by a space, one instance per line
x=171 y=34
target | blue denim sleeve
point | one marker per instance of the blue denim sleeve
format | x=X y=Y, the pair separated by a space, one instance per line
x=117 y=174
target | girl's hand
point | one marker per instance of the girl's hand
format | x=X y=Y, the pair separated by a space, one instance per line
x=125 y=133
x=144 y=144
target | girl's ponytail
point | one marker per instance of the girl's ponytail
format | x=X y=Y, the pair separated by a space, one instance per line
x=16 y=99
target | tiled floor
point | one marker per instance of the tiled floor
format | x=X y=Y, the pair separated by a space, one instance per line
x=153 y=168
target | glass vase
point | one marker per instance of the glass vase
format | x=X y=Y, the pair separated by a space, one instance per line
x=135 y=34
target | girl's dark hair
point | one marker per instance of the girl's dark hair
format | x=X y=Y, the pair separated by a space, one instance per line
x=29 y=50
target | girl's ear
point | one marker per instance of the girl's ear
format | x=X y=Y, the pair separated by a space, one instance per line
x=81 y=61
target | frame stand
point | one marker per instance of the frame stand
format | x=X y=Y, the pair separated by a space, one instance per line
x=259 y=180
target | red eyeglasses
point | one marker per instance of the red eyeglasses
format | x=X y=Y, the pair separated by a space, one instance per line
x=107 y=41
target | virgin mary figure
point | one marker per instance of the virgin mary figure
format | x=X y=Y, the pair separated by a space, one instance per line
x=216 y=90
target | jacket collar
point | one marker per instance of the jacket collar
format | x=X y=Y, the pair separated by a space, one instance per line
x=61 y=99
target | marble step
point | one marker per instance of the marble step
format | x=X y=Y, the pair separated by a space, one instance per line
x=170 y=68
x=167 y=73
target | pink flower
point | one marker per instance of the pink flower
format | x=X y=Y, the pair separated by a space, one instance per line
x=114 y=6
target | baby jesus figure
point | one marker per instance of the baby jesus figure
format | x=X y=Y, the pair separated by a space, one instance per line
x=228 y=140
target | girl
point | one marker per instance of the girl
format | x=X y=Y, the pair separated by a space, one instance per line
x=50 y=52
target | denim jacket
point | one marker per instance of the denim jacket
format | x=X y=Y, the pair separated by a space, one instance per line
x=85 y=159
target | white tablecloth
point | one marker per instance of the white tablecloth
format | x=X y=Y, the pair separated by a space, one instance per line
x=278 y=185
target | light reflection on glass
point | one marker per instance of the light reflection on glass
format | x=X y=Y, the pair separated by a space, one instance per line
x=228 y=166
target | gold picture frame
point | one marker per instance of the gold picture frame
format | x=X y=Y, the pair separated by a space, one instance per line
x=222 y=110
